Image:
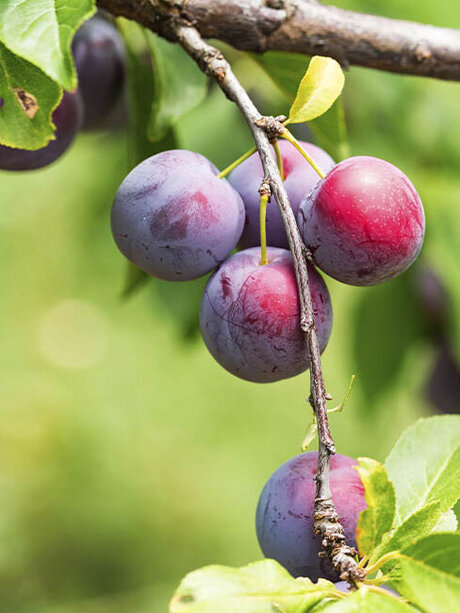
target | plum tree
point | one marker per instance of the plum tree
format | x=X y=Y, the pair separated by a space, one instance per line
x=175 y=218
x=99 y=59
x=364 y=222
x=284 y=517
x=249 y=316
x=67 y=119
x=300 y=178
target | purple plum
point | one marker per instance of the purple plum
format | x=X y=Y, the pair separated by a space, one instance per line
x=250 y=316
x=284 y=518
x=99 y=59
x=300 y=178
x=174 y=218
x=364 y=222
x=67 y=119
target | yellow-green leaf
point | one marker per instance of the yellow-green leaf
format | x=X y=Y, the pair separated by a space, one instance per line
x=320 y=87
x=377 y=518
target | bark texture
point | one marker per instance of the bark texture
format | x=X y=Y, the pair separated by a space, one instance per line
x=305 y=26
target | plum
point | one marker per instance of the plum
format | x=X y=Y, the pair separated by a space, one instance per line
x=284 y=518
x=364 y=222
x=99 y=59
x=174 y=218
x=250 y=319
x=443 y=385
x=300 y=178
x=67 y=119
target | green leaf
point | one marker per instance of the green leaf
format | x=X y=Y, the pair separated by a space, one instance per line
x=41 y=31
x=135 y=279
x=424 y=465
x=286 y=71
x=377 y=519
x=17 y=128
x=261 y=587
x=140 y=93
x=330 y=131
x=417 y=525
x=181 y=302
x=318 y=90
x=387 y=323
x=428 y=573
x=179 y=85
x=447 y=522
x=368 y=601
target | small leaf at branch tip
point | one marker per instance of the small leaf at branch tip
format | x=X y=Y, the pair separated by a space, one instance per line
x=320 y=87
x=339 y=408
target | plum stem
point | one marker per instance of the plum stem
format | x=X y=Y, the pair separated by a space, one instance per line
x=226 y=171
x=264 y=197
x=212 y=62
x=279 y=159
x=292 y=139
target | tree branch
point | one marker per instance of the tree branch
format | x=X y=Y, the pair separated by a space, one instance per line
x=212 y=62
x=305 y=26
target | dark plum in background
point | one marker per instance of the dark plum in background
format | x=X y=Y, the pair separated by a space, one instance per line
x=300 y=177
x=284 y=518
x=67 y=119
x=174 y=218
x=442 y=387
x=99 y=59
x=364 y=222
x=250 y=316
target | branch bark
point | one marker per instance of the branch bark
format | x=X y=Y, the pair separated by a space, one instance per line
x=305 y=26
x=327 y=525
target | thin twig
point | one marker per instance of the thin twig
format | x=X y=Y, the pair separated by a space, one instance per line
x=327 y=525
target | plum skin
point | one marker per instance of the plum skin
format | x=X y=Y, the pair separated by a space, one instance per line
x=284 y=517
x=67 y=118
x=174 y=218
x=250 y=316
x=300 y=178
x=99 y=59
x=364 y=223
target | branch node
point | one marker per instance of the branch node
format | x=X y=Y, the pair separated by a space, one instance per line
x=265 y=189
x=271 y=125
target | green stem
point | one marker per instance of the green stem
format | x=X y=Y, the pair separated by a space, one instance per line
x=279 y=159
x=393 y=555
x=236 y=163
x=380 y=590
x=292 y=139
x=263 y=230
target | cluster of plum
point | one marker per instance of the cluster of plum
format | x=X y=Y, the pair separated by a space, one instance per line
x=99 y=59
x=176 y=219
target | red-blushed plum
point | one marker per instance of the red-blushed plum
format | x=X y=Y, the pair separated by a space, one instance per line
x=364 y=222
x=99 y=59
x=300 y=178
x=67 y=119
x=174 y=218
x=250 y=316
x=284 y=518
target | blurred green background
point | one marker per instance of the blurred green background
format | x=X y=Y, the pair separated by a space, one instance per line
x=127 y=455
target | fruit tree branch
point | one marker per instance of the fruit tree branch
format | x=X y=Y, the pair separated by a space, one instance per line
x=212 y=62
x=306 y=26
